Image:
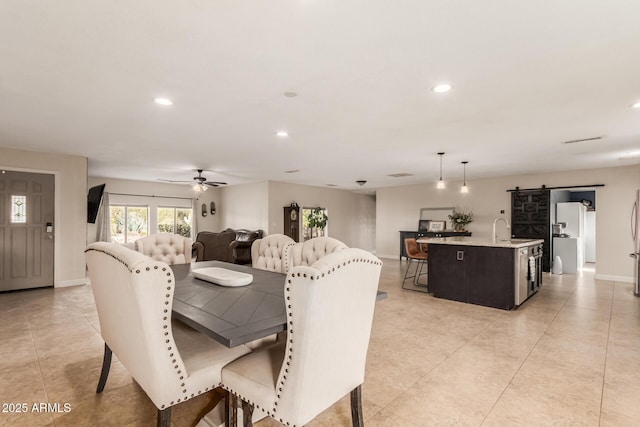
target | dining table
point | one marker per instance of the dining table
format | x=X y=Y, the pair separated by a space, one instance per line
x=232 y=315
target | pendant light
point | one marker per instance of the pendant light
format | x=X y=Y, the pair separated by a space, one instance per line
x=440 y=185
x=464 y=188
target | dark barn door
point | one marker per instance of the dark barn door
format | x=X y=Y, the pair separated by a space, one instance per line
x=530 y=219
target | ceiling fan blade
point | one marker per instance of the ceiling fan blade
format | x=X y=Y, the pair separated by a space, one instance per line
x=215 y=183
x=170 y=180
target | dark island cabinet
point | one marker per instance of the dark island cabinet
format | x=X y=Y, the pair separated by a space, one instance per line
x=425 y=233
x=473 y=274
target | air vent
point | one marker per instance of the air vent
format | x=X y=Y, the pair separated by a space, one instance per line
x=575 y=141
x=400 y=175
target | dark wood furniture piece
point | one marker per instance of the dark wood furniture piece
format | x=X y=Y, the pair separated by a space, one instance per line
x=499 y=277
x=473 y=274
x=531 y=219
x=424 y=233
x=292 y=222
x=232 y=315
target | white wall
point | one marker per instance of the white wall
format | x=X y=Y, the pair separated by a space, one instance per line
x=352 y=216
x=398 y=208
x=70 y=207
x=244 y=206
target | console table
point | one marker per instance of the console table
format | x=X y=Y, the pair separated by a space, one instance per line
x=424 y=233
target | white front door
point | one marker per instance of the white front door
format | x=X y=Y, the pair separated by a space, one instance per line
x=26 y=230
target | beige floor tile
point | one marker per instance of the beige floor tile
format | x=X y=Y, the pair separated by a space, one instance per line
x=568 y=351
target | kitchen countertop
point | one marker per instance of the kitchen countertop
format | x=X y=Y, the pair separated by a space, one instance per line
x=477 y=241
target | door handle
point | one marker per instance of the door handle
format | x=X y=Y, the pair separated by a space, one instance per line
x=460 y=255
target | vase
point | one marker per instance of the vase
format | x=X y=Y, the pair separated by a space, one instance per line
x=458 y=227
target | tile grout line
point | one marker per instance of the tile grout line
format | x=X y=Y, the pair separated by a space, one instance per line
x=606 y=353
x=35 y=349
x=528 y=355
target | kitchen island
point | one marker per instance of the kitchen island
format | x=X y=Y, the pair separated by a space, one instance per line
x=501 y=274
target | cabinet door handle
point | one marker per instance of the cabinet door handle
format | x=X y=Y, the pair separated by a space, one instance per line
x=460 y=255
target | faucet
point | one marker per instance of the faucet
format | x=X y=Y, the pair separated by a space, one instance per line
x=494 y=235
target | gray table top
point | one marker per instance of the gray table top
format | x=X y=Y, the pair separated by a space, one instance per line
x=232 y=315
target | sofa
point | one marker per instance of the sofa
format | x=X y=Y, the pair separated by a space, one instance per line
x=229 y=245
x=241 y=246
x=210 y=246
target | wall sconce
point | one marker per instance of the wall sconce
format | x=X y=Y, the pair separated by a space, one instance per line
x=204 y=209
x=213 y=208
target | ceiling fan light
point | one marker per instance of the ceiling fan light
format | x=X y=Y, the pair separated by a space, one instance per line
x=199 y=188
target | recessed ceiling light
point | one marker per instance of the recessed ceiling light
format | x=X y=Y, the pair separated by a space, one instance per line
x=282 y=133
x=163 y=101
x=636 y=105
x=441 y=88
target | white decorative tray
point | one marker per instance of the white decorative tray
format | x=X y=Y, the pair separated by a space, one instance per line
x=222 y=276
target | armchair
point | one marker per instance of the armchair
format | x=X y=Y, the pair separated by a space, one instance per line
x=241 y=246
x=210 y=246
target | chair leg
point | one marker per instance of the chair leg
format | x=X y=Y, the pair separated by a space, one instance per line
x=106 y=365
x=419 y=268
x=247 y=413
x=230 y=411
x=164 y=417
x=356 y=407
x=406 y=272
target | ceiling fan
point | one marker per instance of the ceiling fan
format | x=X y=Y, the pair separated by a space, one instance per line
x=200 y=183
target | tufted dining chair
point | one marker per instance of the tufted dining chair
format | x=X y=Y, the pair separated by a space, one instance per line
x=268 y=253
x=329 y=312
x=169 y=360
x=309 y=251
x=167 y=247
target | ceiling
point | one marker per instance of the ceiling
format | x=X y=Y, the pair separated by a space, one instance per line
x=80 y=77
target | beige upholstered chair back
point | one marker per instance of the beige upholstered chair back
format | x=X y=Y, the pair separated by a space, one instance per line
x=308 y=252
x=134 y=297
x=330 y=313
x=166 y=247
x=268 y=253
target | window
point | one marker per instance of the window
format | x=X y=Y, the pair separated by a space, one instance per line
x=175 y=220
x=18 y=209
x=314 y=222
x=128 y=223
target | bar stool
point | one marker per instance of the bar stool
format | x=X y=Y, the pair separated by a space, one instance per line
x=415 y=253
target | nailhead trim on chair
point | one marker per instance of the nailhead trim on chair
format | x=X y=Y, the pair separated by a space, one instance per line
x=112 y=256
x=272 y=412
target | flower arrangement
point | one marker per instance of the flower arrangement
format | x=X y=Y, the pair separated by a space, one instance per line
x=460 y=218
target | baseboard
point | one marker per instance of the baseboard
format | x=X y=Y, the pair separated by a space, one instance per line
x=76 y=282
x=612 y=278
x=396 y=256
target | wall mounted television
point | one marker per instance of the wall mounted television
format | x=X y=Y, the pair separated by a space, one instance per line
x=94 y=199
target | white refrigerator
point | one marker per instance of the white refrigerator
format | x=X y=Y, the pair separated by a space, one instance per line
x=635 y=235
x=571 y=249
